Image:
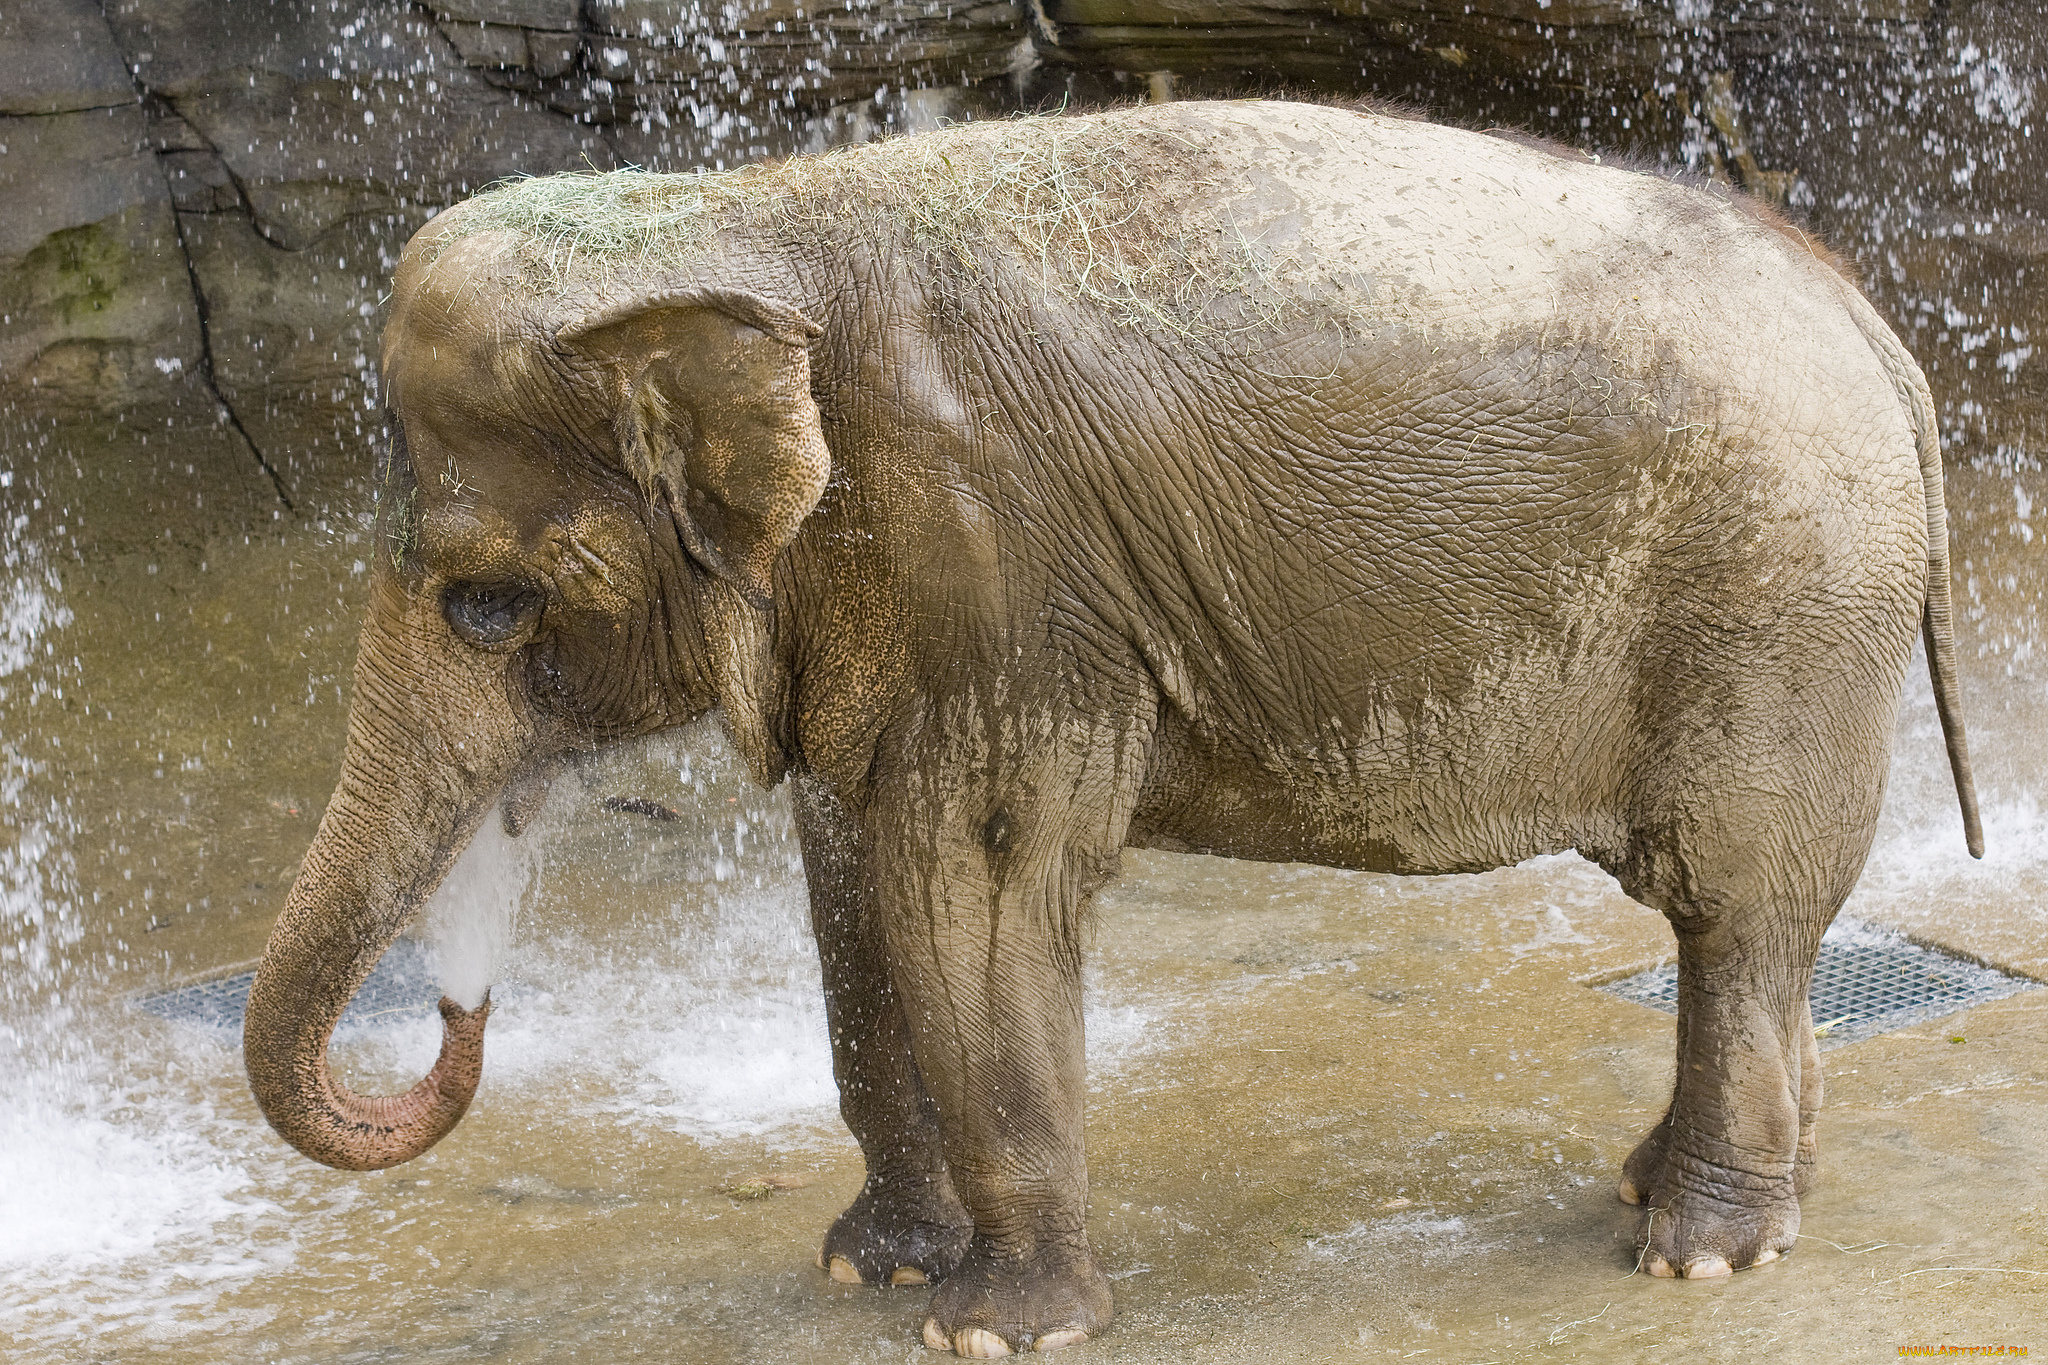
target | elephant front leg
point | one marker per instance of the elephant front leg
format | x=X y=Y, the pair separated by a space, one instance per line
x=983 y=932
x=994 y=996
x=906 y=1226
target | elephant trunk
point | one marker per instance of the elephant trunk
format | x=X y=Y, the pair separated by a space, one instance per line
x=428 y=750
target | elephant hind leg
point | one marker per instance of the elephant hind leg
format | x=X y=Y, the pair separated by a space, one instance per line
x=1748 y=892
x=1644 y=1169
x=1806 y=1167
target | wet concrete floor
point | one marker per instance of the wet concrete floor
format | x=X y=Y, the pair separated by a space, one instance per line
x=1333 y=1116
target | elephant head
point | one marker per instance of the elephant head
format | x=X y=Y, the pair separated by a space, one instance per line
x=580 y=516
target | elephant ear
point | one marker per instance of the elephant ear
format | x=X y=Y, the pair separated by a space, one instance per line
x=715 y=421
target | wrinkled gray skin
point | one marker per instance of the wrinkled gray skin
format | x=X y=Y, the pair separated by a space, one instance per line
x=1556 y=507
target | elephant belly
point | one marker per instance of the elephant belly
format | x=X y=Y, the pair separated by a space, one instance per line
x=1495 y=804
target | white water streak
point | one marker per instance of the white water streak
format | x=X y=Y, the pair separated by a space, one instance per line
x=472 y=917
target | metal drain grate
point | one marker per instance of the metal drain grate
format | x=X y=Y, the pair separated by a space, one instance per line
x=1867 y=981
x=402 y=985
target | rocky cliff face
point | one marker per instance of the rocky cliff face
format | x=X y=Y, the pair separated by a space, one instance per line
x=201 y=200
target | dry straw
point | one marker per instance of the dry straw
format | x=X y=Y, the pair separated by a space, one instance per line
x=1116 y=214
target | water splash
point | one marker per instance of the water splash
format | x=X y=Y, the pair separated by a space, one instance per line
x=132 y=1204
x=109 y=1195
x=2000 y=92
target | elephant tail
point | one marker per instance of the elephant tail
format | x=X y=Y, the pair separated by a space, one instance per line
x=1936 y=622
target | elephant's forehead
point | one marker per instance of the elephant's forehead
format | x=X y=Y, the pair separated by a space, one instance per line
x=473 y=359
x=462 y=328
x=465 y=395
x=491 y=490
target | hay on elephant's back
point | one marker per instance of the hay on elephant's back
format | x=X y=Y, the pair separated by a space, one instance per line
x=1118 y=215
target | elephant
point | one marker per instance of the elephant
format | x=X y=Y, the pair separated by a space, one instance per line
x=1270 y=480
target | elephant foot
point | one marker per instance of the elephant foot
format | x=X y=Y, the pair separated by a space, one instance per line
x=994 y=1305
x=910 y=1232
x=1703 y=1223
x=1697 y=1237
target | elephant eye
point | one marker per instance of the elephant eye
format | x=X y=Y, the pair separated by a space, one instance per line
x=491 y=613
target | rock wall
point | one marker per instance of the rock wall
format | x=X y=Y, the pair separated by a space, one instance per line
x=201 y=200
x=204 y=200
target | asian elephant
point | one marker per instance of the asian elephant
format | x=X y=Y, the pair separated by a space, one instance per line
x=1272 y=480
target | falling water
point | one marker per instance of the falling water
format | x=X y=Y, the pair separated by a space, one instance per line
x=38 y=919
x=471 y=917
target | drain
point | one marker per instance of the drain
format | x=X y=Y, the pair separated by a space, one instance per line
x=1867 y=981
x=401 y=986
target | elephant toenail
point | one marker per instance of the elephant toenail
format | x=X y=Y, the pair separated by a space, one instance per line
x=978 y=1343
x=908 y=1274
x=842 y=1270
x=1707 y=1268
x=1765 y=1258
x=1060 y=1340
x=1659 y=1267
x=934 y=1338
x=1628 y=1192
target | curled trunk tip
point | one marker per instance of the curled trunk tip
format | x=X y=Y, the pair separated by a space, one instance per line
x=333 y=1125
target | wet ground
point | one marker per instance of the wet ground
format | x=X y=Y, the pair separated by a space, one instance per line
x=1334 y=1116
